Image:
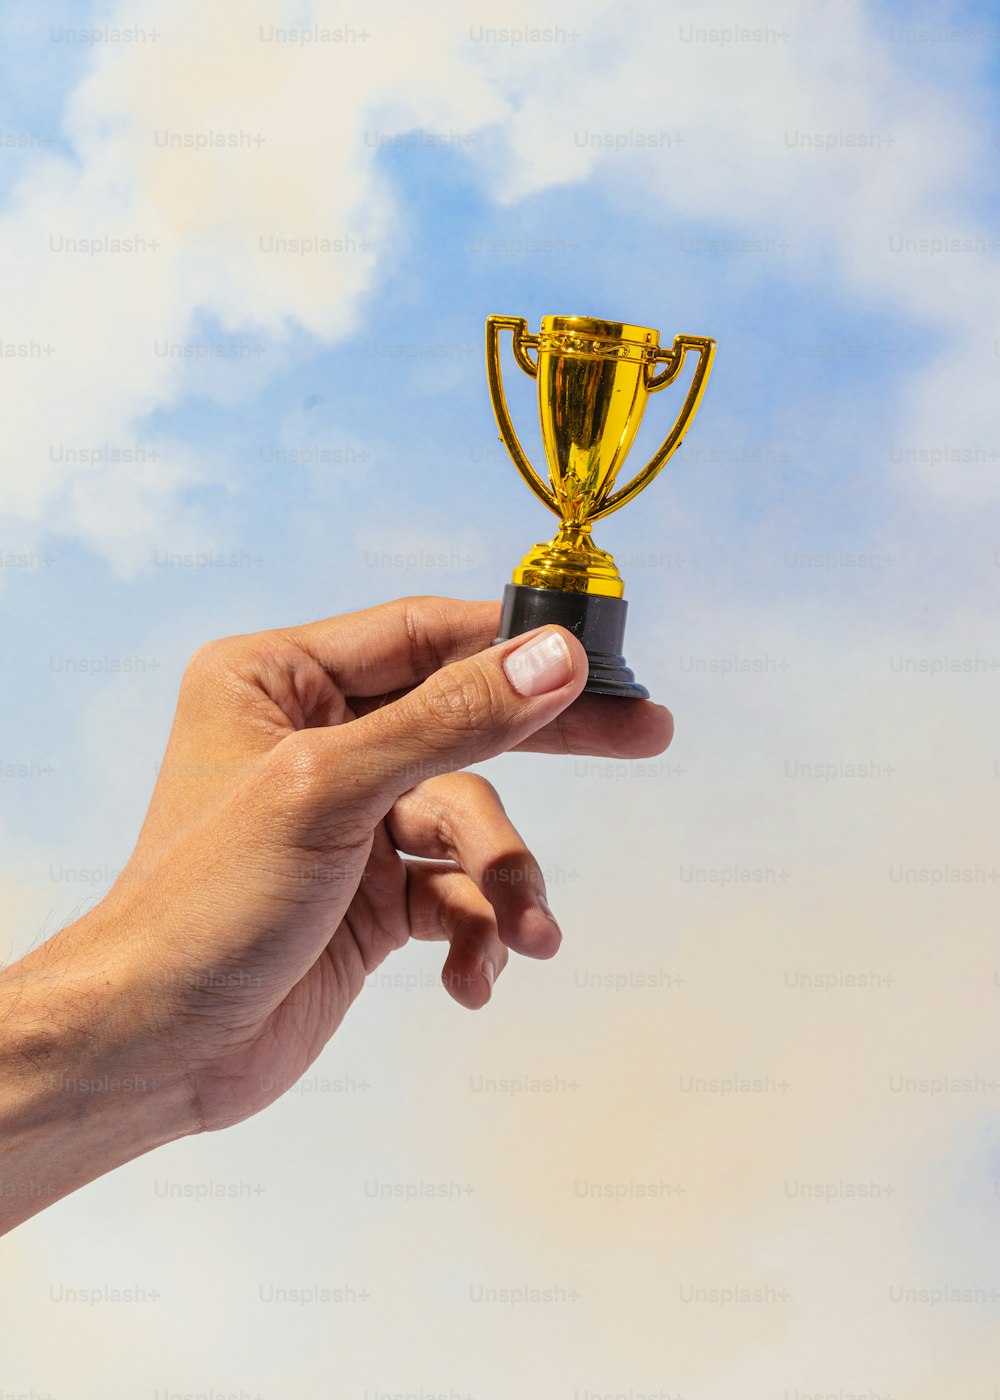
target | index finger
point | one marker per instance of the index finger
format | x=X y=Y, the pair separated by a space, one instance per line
x=396 y=645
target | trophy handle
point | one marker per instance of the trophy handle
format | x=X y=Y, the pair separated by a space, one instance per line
x=522 y=340
x=674 y=358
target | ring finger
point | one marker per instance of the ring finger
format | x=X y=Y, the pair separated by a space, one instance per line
x=459 y=817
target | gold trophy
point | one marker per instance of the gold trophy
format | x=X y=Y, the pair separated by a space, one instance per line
x=593 y=381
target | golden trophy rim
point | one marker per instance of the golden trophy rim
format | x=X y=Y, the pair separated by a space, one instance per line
x=596 y=328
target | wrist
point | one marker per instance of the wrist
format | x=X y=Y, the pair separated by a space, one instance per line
x=81 y=1089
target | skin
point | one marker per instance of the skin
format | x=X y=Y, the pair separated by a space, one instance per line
x=272 y=875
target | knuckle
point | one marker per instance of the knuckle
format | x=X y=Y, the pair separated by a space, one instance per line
x=464 y=792
x=302 y=764
x=250 y=656
x=461 y=700
x=425 y=653
x=476 y=799
x=207 y=654
x=474 y=787
x=211 y=658
x=301 y=800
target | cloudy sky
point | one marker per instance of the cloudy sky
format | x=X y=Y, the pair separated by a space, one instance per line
x=247 y=254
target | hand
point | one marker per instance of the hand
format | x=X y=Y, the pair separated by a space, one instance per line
x=268 y=882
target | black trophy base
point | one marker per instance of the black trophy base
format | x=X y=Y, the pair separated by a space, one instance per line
x=598 y=622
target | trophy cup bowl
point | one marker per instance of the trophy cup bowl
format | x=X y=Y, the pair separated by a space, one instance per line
x=594 y=378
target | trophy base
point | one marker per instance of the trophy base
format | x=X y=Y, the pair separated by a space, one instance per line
x=598 y=622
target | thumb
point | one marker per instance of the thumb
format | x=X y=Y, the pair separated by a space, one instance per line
x=466 y=712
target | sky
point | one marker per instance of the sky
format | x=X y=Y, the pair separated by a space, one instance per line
x=204 y=435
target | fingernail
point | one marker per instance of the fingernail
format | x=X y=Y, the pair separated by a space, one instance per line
x=541 y=665
x=543 y=904
x=489 y=971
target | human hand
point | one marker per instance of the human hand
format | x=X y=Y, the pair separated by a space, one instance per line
x=271 y=875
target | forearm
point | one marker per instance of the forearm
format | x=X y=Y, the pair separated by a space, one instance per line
x=80 y=1091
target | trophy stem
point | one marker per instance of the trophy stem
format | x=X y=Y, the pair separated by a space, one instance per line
x=571 y=562
x=598 y=621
